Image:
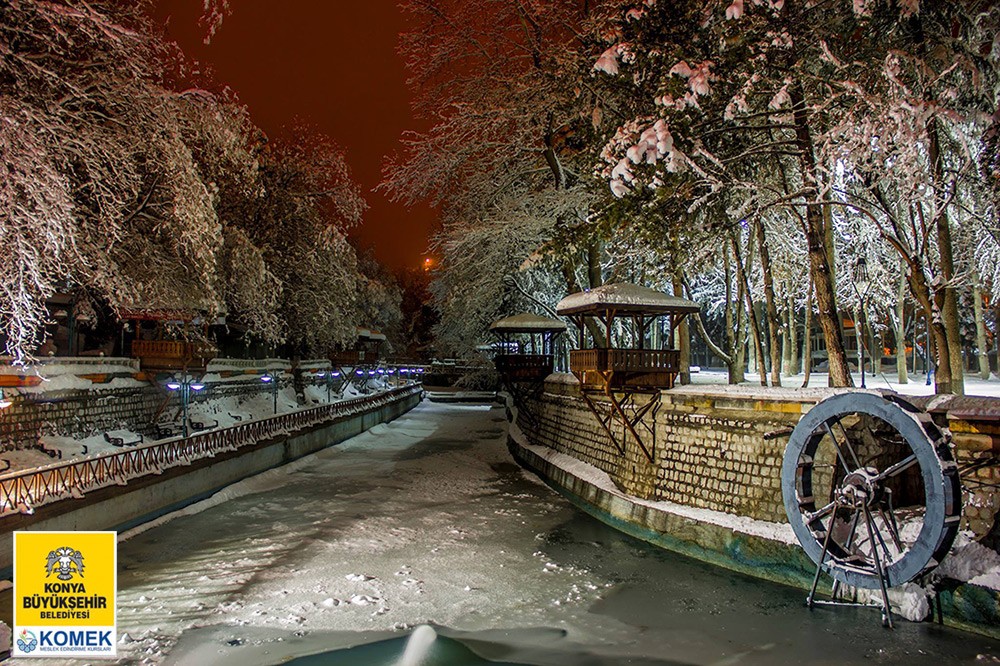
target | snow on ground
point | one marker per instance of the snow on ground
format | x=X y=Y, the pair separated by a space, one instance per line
x=819 y=380
x=288 y=550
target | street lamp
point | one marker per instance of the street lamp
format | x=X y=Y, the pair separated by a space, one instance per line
x=327 y=378
x=185 y=386
x=267 y=378
x=861 y=285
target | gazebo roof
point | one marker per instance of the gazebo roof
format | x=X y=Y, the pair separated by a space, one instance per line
x=376 y=335
x=624 y=298
x=527 y=322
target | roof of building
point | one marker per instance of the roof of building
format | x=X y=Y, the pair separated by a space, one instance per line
x=527 y=322
x=624 y=298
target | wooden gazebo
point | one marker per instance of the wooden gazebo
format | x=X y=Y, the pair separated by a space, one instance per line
x=527 y=346
x=162 y=354
x=525 y=355
x=622 y=372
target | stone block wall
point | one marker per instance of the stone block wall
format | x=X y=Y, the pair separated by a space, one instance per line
x=95 y=410
x=709 y=448
x=70 y=412
x=708 y=451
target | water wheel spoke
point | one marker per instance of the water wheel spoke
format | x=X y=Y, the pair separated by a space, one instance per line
x=898 y=468
x=847 y=443
x=890 y=526
x=819 y=513
x=840 y=453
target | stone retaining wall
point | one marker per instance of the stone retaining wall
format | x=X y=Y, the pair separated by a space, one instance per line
x=709 y=447
x=91 y=411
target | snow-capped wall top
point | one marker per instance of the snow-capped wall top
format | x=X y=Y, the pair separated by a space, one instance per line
x=527 y=322
x=625 y=298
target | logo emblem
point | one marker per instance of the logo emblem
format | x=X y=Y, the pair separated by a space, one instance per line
x=26 y=641
x=66 y=562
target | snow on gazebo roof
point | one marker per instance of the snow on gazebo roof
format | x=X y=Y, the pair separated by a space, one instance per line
x=157 y=314
x=376 y=335
x=364 y=333
x=527 y=322
x=624 y=298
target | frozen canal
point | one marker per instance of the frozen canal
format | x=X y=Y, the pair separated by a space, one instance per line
x=428 y=521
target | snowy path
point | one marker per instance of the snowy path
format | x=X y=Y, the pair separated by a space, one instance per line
x=427 y=520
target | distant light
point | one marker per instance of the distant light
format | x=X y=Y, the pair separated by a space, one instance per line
x=173 y=386
x=371 y=372
x=197 y=386
x=335 y=374
x=4 y=404
x=381 y=371
x=266 y=378
x=392 y=371
x=360 y=372
x=321 y=373
x=404 y=371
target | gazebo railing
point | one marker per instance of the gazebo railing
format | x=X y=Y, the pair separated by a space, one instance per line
x=625 y=360
x=514 y=363
x=22 y=492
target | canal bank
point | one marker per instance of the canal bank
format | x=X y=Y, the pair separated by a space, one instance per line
x=711 y=489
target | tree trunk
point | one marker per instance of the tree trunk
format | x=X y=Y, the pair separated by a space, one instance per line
x=807 y=339
x=996 y=335
x=758 y=351
x=878 y=345
x=900 y=329
x=734 y=330
x=949 y=304
x=773 y=322
x=569 y=275
x=983 y=352
x=819 y=259
x=788 y=341
x=683 y=335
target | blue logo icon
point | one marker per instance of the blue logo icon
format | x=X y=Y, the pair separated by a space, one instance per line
x=26 y=641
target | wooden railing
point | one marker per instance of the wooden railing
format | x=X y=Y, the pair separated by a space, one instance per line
x=625 y=360
x=644 y=360
x=349 y=358
x=636 y=368
x=23 y=492
x=524 y=365
x=172 y=354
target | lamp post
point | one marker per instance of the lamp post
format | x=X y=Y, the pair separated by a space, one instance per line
x=861 y=285
x=185 y=386
x=326 y=377
x=268 y=378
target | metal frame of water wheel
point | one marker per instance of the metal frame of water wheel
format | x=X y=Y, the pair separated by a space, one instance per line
x=930 y=450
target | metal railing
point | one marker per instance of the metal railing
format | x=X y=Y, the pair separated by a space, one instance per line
x=22 y=492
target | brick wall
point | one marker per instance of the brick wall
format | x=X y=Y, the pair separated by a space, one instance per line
x=709 y=449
